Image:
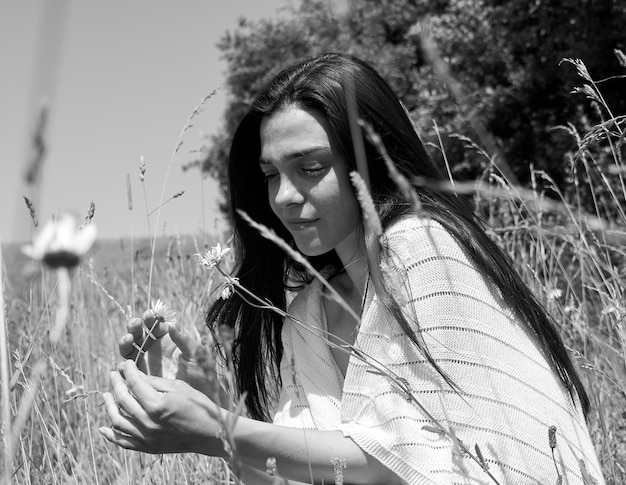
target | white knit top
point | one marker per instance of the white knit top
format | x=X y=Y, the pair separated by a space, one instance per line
x=508 y=396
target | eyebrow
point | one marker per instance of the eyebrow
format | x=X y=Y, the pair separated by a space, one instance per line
x=301 y=153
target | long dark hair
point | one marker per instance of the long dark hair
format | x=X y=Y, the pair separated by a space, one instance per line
x=317 y=84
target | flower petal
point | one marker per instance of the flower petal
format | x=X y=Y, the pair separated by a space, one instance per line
x=85 y=238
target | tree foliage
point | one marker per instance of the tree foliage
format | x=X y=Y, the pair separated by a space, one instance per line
x=505 y=55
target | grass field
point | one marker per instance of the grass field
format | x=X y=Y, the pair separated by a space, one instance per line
x=60 y=442
x=569 y=247
x=579 y=274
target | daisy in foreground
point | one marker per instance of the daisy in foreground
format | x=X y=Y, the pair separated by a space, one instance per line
x=62 y=243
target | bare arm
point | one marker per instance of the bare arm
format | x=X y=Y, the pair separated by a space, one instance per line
x=252 y=475
x=305 y=454
x=157 y=415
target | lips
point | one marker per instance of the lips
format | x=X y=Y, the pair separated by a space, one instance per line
x=300 y=224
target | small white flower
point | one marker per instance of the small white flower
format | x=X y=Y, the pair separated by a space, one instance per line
x=61 y=243
x=213 y=257
x=163 y=313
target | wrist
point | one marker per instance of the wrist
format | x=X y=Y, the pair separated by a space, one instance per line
x=213 y=433
x=253 y=440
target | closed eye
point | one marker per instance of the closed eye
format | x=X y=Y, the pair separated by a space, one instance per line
x=314 y=172
x=269 y=174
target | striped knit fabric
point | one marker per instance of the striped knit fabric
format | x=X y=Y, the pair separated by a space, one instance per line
x=508 y=397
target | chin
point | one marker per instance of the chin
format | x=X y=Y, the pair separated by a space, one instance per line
x=312 y=250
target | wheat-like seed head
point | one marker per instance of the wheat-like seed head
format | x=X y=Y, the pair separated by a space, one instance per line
x=31 y=209
x=129 y=193
x=142 y=168
x=370 y=215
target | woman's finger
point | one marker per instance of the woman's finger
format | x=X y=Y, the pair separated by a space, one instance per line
x=132 y=345
x=138 y=387
x=134 y=326
x=134 y=335
x=119 y=423
x=161 y=384
x=154 y=327
x=125 y=399
x=131 y=350
x=127 y=349
x=154 y=330
x=184 y=342
x=120 y=439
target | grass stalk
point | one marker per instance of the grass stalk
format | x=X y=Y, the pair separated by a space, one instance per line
x=4 y=375
x=179 y=142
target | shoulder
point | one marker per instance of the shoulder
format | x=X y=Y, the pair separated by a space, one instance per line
x=422 y=255
x=414 y=236
x=409 y=223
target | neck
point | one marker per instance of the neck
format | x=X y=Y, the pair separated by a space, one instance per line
x=354 y=260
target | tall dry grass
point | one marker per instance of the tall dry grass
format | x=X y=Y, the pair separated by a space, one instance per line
x=568 y=245
x=60 y=442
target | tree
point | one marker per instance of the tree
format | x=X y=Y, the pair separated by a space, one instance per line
x=504 y=54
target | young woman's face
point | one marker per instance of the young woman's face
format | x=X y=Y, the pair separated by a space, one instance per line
x=307 y=184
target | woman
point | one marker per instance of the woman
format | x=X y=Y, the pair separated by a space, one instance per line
x=450 y=349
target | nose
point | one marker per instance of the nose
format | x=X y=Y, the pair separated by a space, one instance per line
x=287 y=193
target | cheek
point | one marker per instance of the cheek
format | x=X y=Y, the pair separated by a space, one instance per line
x=347 y=201
x=351 y=209
x=352 y=212
x=343 y=209
x=271 y=191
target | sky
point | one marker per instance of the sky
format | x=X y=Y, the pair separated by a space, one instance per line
x=120 y=79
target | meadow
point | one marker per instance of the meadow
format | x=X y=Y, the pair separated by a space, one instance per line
x=569 y=246
x=59 y=442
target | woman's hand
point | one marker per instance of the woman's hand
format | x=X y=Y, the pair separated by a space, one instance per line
x=157 y=415
x=160 y=349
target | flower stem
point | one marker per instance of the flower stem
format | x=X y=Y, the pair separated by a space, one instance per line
x=63 y=291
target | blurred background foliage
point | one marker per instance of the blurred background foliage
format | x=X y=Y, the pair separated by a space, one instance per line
x=505 y=56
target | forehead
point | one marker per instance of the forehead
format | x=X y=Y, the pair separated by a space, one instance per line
x=292 y=130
